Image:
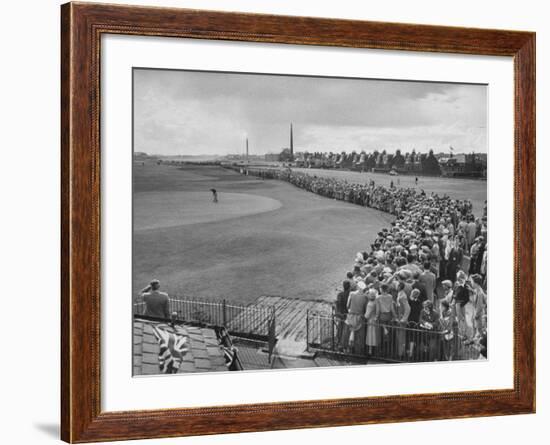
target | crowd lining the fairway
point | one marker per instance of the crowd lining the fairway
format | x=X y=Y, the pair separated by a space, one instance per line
x=427 y=271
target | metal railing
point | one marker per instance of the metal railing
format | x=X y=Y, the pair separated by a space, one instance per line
x=251 y=320
x=391 y=342
x=246 y=322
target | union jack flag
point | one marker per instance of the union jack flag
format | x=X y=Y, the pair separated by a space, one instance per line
x=230 y=354
x=173 y=346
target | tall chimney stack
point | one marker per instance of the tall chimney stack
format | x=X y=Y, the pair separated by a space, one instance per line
x=291 y=143
x=247 y=150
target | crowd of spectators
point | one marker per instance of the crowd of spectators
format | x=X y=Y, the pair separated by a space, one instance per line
x=425 y=273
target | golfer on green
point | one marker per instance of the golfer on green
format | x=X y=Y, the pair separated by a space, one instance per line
x=214 y=195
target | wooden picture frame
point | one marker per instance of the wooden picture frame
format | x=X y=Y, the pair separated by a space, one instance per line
x=82 y=26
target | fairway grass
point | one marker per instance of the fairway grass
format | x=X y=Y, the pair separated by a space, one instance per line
x=278 y=239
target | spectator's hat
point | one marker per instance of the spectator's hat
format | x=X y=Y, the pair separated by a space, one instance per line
x=404 y=274
x=154 y=282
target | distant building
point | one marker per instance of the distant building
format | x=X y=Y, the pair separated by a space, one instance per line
x=473 y=165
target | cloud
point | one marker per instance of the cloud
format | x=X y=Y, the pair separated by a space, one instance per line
x=186 y=112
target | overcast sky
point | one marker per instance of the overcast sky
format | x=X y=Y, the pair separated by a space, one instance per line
x=198 y=113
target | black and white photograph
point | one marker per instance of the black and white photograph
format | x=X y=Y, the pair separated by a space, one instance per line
x=289 y=221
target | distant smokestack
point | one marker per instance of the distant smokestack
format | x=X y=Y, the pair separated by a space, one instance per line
x=291 y=143
x=247 y=150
